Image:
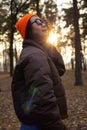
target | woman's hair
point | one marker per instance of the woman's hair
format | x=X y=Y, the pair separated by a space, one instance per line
x=28 y=33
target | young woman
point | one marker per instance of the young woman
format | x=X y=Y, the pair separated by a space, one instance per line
x=36 y=84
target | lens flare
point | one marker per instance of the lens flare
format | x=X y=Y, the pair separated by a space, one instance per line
x=53 y=38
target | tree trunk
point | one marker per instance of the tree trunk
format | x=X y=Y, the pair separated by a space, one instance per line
x=37 y=7
x=11 y=53
x=12 y=30
x=78 y=74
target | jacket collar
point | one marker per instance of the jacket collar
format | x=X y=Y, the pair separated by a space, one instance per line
x=27 y=43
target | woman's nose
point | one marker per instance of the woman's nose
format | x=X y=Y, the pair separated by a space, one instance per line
x=44 y=24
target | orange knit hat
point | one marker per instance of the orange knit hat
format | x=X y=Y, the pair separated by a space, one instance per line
x=22 y=24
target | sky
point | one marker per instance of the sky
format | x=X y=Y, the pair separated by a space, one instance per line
x=63 y=3
x=59 y=2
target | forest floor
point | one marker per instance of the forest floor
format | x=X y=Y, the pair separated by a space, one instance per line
x=76 y=100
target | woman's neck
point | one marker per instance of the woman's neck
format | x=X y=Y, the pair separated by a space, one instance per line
x=39 y=39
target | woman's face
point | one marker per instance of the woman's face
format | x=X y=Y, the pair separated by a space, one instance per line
x=39 y=27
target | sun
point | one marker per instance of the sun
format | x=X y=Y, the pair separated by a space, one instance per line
x=53 y=38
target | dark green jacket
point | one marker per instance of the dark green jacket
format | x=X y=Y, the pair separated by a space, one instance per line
x=37 y=90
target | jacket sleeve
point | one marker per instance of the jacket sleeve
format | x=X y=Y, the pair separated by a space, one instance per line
x=57 y=59
x=59 y=63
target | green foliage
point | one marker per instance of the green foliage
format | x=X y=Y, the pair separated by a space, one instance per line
x=68 y=16
x=84 y=4
x=51 y=11
x=84 y=17
x=9 y=10
x=3 y=18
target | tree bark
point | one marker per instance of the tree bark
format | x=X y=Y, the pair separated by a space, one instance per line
x=12 y=30
x=78 y=64
x=11 y=54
